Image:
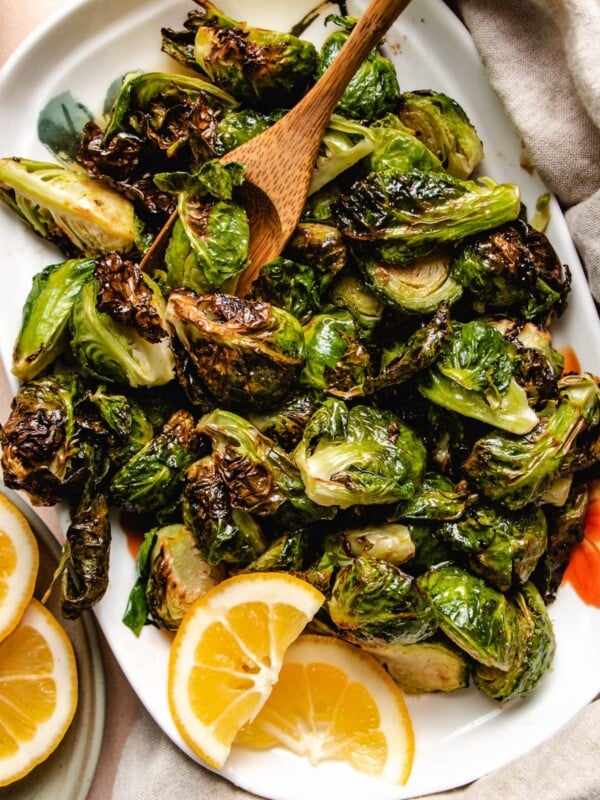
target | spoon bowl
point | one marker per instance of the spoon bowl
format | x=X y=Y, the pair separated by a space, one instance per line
x=279 y=163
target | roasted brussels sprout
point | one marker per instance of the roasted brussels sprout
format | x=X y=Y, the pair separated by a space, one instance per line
x=41 y=448
x=374 y=602
x=79 y=214
x=475 y=616
x=374 y=89
x=512 y=268
x=247 y=354
x=358 y=455
x=44 y=333
x=336 y=362
x=208 y=248
x=345 y=144
x=502 y=547
x=225 y=535
x=437 y=498
x=285 y=554
x=433 y=665
x=155 y=475
x=172 y=574
x=349 y=291
x=474 y=376
x=534 y=653
x=285 y=424
x=394 y=217
x=260 y=478
x=516 y=470
x=259 y=67
x=237 y=126
x=126 y=421
x=118 y=328
x=444 y=128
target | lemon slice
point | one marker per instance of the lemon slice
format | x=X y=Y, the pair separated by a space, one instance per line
x=227 y=653
x=19 y=560
x=333 y=701
x=38 y=692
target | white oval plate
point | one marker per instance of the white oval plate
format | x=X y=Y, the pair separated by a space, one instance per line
x=459 y=737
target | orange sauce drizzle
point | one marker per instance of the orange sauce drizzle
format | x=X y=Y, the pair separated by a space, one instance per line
x=583 y=572
x=571 y=360
x=134 y=527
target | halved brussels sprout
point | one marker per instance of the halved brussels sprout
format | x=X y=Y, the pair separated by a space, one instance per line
x=475 y=616
x=444 y=128
x=246 y=354
x=349 y=291
x=374 y=602
x=358 y=455
x=474 y=376
x=284 y=554
x=79 y=214
x=126 y=421
x=437 y=498
x=285 y=424
x=255 y=65
x=44 y=332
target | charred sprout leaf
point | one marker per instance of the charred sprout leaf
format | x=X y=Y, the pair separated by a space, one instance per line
x=44 y=333
x=566 y=528
x=475 y=616
x=178 y=575
x=41 y=447
x=136 y=613
x=374 y=89
x=155 y=475
x=260 y=478
x=129 y=426
x=502 y=547
x=79 y=214
x=515 y=269
x=398 y=216
x=349 y=291
x=118 y=328
x=225 y=535
x=534 y=655
x=209 y=243
x=358 y=455
x=444 y=128
x=475 y=377
x=336 y=361
x=516 y=470
x=421 y=350
x=247 y=354
x=375 y=602
x=286 y=554
x=285 y=424
x=437 y=498
x=434 y=665
x=416 y=288
x=255 y=65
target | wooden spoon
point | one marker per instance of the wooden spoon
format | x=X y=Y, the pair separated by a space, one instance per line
x=279 y=162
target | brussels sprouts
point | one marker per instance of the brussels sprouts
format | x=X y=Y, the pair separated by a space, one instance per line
x=358 y=455
x=256 y=66
x=516 y=470
x=45 y=323
x=41 y=446
x=403 y=361
x=398 y=151
x=247 y=354
x=374 y=89
x=225 y=535
x=390 y=542
x=399 y=216
x=286 y=554
x=345 y=144
x=208 y=247
x=126 y=421
x=475 y=377
x=475 y=616
x=118 y=328
x=430 y=550
x=502 y=547
x=79 y=214
x=434 y=665
x=444 y=128
x=336 y=362
x=172 y=574
x=534 y=655
x=238 y=126
x=285 y=424
x=374 y=602
x=513 y=268
x=437 y=498
x=349 y=291
x=260 y=478
x=154 y=476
